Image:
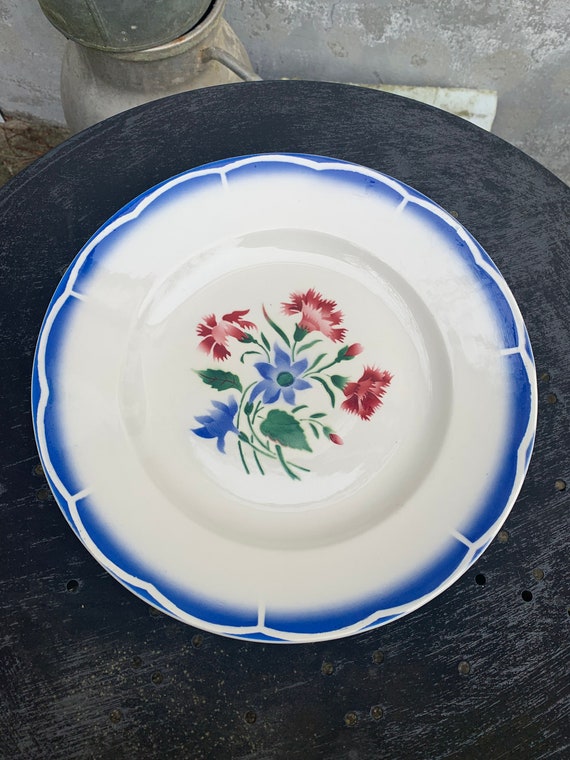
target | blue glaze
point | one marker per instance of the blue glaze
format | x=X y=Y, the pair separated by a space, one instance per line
x=424 y=581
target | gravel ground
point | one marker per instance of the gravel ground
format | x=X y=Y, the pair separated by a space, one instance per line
x=23 y=140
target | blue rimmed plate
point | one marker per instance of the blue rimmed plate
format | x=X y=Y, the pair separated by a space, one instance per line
x=284 y=398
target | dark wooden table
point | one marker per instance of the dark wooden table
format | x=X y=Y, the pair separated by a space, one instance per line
x=89 y=671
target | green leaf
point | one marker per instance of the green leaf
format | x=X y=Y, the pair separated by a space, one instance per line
x=317 y=360
x=318 y=415
x=298 y=408
x=277 y=329
x=283 y=428
x=339 y=381
x=220 y=380
x=326 y=387
x=315 y=429
x=309 y=345
x=248 y=408
x=265 y=342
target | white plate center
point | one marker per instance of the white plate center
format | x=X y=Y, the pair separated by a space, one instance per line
x=283 y=372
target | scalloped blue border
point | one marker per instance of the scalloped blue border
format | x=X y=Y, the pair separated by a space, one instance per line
x=370 y=612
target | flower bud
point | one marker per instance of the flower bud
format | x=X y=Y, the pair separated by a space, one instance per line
x=353 y=351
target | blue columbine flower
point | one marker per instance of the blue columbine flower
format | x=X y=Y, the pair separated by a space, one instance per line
x=218 y=422
x=280 y=378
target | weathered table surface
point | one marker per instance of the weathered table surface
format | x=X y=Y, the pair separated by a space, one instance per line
x=89 y=671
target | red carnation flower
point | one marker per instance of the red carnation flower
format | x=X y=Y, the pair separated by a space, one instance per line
x=317 y=314
x=216 y=333
x=365 y=396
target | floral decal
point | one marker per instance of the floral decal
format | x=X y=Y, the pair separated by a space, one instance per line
x=317 y=314
x=365 y=396
x=269 y=420
x=218 y=422
x=280 y=378
x=216 y=333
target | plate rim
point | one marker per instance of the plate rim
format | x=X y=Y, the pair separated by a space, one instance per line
x=260 y=631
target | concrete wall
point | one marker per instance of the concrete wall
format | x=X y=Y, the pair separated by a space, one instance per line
x=30 y=61
x=520 y=48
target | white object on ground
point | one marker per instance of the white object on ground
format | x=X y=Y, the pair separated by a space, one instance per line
x=477 y=106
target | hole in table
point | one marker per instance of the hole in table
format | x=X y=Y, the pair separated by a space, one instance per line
x=480 y=579
x=72 y=586
x=351 y=718
x=376 y=712
x=527 y=595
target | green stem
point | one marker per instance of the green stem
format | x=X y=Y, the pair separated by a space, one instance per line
x=265 y=453
x=270 y=455
x=256 y=410
x=243 y=397
x=298 y=341
x=313 y=422
x=257 y=343
x=277 y=329
x=245 y=467
x=320 y=369
x=257 y=438
x=257 y=462
x=298 y=467
x=294 y=346
x=289 y=472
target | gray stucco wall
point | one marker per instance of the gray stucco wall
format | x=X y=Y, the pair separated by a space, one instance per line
x=520 y=48
x=30 y=61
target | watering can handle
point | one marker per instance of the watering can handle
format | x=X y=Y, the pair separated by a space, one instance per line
x=231 y=63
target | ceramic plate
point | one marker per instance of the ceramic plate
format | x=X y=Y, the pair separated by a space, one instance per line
x=284 y=398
